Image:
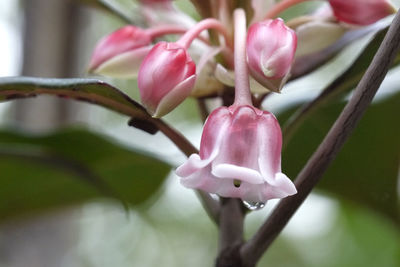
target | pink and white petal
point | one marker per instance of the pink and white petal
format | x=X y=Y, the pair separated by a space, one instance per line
x=194 y=163
x=284 y=184
x=270 y=140
x=229 y=171
x=125 y=65
x=204 y=180
x=214 y=131
x=240 y=145
x=252 y=192
x=175 y=97
x=201 y=179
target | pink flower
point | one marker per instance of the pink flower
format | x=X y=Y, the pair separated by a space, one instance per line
x=361 y=12
x=240 y=156
x=166 y=77
x=121 y=52
x=270 y=46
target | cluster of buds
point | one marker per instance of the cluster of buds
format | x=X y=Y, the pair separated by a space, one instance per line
x=240 y=150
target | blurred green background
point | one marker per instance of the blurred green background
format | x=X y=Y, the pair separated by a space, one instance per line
x=63 y=164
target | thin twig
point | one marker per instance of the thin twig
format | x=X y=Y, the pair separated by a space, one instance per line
x=328 y=149
x=201 y=103
x=210 y=204
x=257 y=101
x=203 y=7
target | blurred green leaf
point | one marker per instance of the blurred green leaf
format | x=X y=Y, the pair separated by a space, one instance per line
x=366 y=169
x=355 y=237
x=368 y=240
x=108 y=8
x=69 y=167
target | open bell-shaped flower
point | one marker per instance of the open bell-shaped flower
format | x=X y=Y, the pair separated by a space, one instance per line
x=361 y=12
x=270 y=47
x=240 y=156
x=120 y=53
x=166 y=77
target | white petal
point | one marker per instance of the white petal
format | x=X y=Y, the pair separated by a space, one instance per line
x=175 y=97
x=125 y=65
x=236 y=172
x=224 y=76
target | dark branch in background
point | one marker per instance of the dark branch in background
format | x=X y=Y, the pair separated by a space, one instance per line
x=203 y=7
x=201 y=103
x=318 y=163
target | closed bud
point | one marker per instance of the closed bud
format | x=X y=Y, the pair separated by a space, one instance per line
x=120 y=53
x=361 y=12
x=270 y=46
x=166 y=77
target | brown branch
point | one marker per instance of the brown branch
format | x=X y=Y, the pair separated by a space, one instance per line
x=203 y=110
x=318 y=163
x=230 y=232
x=203 y=8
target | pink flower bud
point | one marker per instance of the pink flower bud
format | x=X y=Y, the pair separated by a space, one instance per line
x=240 y=156
x=121 y=52
x=361 y=12
x=166 y=77
x=270 y=46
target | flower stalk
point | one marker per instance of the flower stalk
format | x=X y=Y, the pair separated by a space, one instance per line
x=242 y=84
x=205 y=24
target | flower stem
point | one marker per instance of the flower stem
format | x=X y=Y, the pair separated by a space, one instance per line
x=205 y=24
x=242 y=84
x=159 y=31
x=281 y=6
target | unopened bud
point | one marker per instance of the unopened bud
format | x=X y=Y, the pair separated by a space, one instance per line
x=166 y=77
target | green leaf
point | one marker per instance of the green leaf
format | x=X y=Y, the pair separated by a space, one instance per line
x=89 y=90
x=366 y=169
x=69 y=167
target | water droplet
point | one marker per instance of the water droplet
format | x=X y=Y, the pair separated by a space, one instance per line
x=254 y=205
